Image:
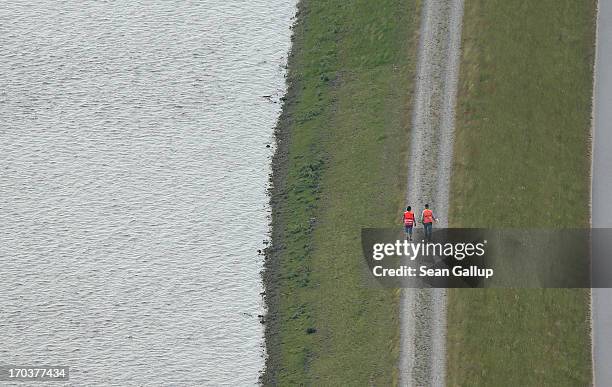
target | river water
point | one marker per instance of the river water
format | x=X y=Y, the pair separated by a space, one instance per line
x=133 y=186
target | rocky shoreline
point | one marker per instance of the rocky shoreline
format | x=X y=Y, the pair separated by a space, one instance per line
x=277 y=191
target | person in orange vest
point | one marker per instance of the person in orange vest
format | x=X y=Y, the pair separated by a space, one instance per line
x=427 y=218
x=408 y=222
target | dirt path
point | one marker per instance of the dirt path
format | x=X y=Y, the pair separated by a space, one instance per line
x=602 y=187
x=423 y=311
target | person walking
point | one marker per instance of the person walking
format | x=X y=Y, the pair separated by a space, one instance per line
x=427 y=218
x=408 y=222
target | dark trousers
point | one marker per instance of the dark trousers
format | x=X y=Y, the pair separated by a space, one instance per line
x=428 y=230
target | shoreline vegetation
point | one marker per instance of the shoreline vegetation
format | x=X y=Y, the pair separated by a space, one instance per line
x=522 y=159
x=522 y=143
x=340 y=164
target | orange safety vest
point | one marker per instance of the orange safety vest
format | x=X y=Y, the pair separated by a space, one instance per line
x=408 y=218
x=427 y=216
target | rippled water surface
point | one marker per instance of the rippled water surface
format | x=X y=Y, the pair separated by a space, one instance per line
x=132 y=188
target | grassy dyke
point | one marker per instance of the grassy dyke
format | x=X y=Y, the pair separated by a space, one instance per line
x=522 y=160
x=341 y=164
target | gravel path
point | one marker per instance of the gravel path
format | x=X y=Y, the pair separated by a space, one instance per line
x=602 y=188
x=423 y=311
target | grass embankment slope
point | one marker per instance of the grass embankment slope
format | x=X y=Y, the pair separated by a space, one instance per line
x=341 y=164
x=522 y=160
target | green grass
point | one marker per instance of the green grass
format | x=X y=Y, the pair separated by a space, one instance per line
x=348 y=112
x=522 y=160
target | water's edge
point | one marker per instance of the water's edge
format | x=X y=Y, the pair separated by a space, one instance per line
x=278 y=177
x=136 y=152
